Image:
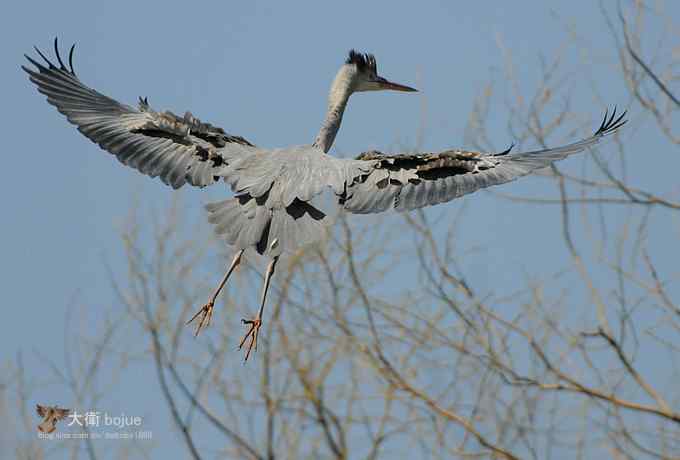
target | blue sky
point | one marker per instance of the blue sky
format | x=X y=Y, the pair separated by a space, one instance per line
x=262 y=70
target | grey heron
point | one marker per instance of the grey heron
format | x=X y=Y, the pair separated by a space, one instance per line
x=271 y=210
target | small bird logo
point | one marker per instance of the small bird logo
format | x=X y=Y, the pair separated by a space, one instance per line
x=51 y=415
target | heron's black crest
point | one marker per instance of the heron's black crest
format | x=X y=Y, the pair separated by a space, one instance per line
x=363 y=61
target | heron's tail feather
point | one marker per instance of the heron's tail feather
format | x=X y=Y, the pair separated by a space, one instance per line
x=245 y=222
x=240 y=221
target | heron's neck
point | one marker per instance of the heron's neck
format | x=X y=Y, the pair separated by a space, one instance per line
x=337 y=102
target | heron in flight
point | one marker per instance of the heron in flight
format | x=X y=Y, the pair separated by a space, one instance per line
x=271 y=210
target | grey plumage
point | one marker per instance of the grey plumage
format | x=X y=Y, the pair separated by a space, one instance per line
x=178 y=150
x=271 y=211
x=407 y=182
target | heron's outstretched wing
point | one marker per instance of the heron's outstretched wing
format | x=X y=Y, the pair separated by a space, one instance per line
x=405 y=182
x=177 y=149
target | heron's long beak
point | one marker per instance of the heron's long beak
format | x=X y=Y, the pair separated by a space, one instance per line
x=386 y=84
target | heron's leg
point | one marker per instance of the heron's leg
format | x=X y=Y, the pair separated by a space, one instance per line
x=257 y=322
x=206 y=311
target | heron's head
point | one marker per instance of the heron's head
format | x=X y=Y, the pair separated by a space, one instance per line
x=364 y=73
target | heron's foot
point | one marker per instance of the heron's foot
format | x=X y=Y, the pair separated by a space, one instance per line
x=252 y=334
x=206 y=315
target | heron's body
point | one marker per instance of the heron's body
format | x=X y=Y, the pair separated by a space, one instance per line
x=271 y=211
